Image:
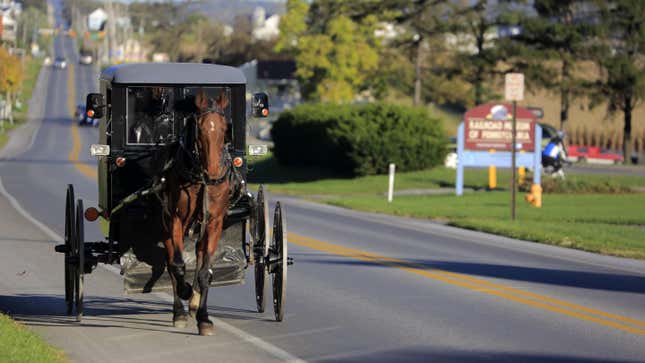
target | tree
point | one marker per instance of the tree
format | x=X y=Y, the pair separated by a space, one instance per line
x=10 y=74
x=334 y=65
x=292 y=26
x=621 y=61
x=335 y=55
x=552 y=45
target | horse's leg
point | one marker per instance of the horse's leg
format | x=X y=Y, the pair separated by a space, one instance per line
x=176 y=270
x=193 y=304
x=214 y=231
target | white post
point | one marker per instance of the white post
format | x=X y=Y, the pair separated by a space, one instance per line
x=390 y=189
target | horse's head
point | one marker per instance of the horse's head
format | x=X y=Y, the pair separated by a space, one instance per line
x=211 y=126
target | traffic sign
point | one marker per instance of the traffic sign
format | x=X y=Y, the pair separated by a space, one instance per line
x=514 y=87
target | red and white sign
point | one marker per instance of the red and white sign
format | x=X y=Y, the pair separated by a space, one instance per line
x=490 y=126
x=514 y=87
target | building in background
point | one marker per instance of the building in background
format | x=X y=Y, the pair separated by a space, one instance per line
x=275 y=77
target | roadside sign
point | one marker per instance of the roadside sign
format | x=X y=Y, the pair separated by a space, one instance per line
x=514 y=87
x=490 y=126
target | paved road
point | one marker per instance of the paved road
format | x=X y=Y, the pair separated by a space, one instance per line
x=364 y=287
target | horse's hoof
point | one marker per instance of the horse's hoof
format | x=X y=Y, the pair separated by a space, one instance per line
x=193 y=304
x=206 y=328
x=180 y=320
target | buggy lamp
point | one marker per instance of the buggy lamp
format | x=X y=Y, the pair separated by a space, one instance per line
x=255 y=150
x=90 y=113
x=120 y=161
x=238 y=161
x=91 y=214
x=265 y=112
x=99 y=150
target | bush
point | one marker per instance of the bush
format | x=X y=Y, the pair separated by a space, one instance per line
x=577 y=186
x=358 y=140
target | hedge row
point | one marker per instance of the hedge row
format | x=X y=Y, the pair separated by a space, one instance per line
x=357 y=140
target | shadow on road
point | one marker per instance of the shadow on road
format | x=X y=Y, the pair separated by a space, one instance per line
x=457 y=356
x=560 y=277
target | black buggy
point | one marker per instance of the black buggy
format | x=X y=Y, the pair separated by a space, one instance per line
x=142 y=111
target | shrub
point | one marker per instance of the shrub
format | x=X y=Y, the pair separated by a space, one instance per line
x=577 y=186
x=358 y=140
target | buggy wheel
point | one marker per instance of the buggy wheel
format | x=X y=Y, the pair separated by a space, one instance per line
x=260 y=248
x=278 y=262
x=80 y=266
x=70 y=230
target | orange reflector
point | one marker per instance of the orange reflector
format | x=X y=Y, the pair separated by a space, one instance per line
x=265 y=112
x=238 y=161
x=120 y=161
x=91 y=214
x=90 y=113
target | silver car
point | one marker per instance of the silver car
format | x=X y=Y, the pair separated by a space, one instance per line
x=60 y=63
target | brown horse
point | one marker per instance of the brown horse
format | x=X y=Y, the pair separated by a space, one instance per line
x=203 y=198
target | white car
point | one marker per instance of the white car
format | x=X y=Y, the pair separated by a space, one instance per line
x=60 y=63
x=85 y=59
x=47 y=61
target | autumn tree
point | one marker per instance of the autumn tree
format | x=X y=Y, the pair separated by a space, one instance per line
x=10 y=75
x=335 y=56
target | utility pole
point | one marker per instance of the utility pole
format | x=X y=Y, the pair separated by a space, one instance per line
x=111 y=29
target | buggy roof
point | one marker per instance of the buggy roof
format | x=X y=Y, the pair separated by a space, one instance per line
x=173 y=73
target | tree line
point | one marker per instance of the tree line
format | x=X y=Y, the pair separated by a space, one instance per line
x=449 y=51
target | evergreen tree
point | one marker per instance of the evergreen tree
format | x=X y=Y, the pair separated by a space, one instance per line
x=621 y=60
x=552 y=45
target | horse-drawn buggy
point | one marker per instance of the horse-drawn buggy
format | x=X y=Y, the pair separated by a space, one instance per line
x=172 y=168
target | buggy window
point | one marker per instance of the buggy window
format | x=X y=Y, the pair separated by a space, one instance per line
x=151 y=116
x=153 y=112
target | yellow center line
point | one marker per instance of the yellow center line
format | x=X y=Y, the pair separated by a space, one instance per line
x=452 y=278
x=475 y=284
x=74 y=154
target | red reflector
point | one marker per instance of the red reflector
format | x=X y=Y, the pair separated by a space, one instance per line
x=91 y=214
x=120 y=161
x=90 y=113
x=238 y=161
x=265 y=112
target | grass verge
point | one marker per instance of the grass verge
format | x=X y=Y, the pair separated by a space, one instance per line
x=608 y=224
x=32 y=69
x=18 y=344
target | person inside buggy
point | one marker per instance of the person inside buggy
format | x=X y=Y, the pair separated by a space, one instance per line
x=153 y=111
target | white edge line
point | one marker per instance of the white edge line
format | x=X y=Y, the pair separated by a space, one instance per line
x=256 y=341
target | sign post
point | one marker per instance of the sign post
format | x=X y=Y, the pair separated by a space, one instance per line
x=514 y=91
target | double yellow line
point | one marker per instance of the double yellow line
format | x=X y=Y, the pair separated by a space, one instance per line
x=527 y=298
x=74 y=154
x=482 y=286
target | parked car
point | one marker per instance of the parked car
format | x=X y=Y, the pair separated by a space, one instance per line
x=60 y=63
x=83 y=119
x=594 y=154
x=85 y=58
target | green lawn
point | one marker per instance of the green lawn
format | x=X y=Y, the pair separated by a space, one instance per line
x=18 y=344
x=32 y=68
x=575 y=217
x=609 y=224
x=315 y=182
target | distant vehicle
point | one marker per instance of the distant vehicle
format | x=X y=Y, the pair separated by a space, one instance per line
x=594 y=154
x=548 y=133
x=47 y=61
x=83 y=119
x=85 y=59
x=60 y=63
x=554 y=156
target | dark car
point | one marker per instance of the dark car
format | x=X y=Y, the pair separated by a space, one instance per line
x=83 y=119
